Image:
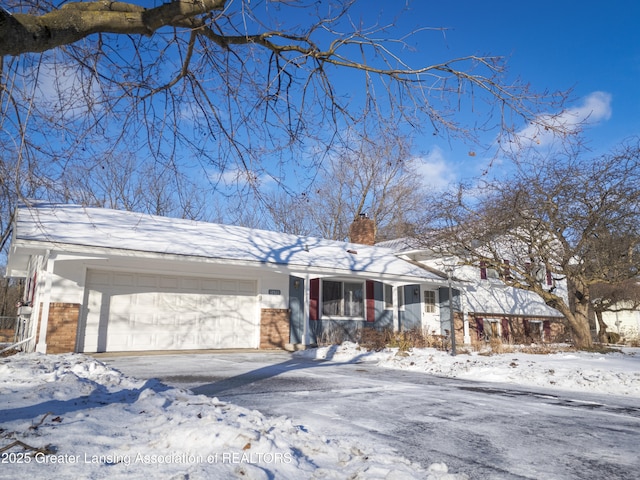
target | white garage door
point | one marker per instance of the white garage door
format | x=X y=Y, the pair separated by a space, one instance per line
x=134 y=311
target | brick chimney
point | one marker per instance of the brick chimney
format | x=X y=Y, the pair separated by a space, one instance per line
x=362 y=230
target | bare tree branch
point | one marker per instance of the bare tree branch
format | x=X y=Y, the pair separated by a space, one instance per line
x=24 y=33
x=230 y=93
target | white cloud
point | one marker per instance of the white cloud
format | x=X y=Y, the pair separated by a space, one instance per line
x=436 y=171
x=594 y=108
x=61 y=89
x=241 y=178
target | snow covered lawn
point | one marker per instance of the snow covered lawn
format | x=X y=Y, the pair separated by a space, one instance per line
x=70 y=416
x=616 y=373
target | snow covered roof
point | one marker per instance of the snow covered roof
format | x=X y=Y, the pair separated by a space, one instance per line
x=63 y=226
x=399 y=244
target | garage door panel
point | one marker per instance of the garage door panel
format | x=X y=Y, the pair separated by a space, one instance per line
x=140 y=341
x=167 y=320
x=186 y=319
x=141 y=301
x=131 y=311
x=189 y=301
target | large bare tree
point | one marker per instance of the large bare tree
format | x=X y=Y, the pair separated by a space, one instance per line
x=213 y=87
x=575 y=218
x=373 y=174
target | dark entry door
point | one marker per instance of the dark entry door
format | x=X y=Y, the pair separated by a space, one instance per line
x=296 y=306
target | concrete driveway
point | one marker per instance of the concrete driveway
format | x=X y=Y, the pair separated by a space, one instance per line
x=484 y=430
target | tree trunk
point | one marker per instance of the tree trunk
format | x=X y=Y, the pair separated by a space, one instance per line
x=578 y=318
x=602 y=328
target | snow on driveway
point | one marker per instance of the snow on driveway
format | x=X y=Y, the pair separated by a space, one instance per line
x=71 y=416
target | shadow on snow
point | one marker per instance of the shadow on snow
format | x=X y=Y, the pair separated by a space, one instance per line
x=99 y=397
x=271 y=371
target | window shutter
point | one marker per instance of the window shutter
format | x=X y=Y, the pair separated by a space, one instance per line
x=546 y=326
x=371 y=301
x=314 y=297
x=480 y=327
x=483 y=270
x=505 y=328
x=549 y=277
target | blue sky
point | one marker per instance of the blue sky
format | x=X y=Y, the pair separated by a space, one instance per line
x=590 y=47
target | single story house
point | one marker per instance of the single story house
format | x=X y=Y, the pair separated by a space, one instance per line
x=625 y=323
x=100 y=280
x=487 y=307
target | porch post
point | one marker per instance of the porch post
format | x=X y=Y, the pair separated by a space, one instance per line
x=467 y=336
x=396 y=309
x=464 y=305
x=43 y=298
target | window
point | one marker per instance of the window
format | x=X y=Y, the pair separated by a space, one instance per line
x=491 y=329
x=486 y=272
x=388 y=297
x=429 y=301
x=342 y=299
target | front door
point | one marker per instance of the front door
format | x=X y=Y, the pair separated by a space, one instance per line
x=296 y=307
x=430 y=312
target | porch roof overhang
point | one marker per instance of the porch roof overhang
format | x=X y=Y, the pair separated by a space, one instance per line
x=17 y=266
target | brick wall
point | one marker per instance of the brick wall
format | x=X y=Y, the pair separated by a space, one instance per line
x=274 y=327
x=62 y=327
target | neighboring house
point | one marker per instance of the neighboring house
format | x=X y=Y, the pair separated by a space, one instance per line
x=486 y=308
x=625 y=323
x=101 y=280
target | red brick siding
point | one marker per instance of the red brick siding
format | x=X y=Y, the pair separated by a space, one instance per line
x=274 y=327
x=62 y=327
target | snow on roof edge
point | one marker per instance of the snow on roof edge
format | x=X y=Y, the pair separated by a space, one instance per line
x=107 y=228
